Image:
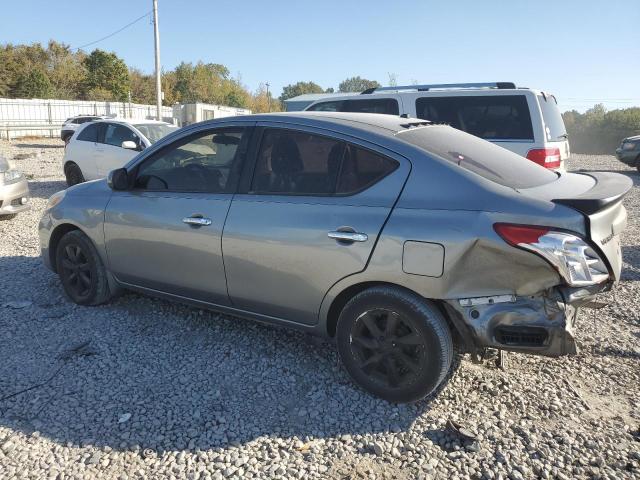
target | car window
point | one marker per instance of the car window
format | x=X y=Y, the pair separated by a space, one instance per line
x=387 y=106
x=478 y=156
x=300 y=163
x=155 y=131
x=333 y=106
x=115 y=134
x=89 y=133
x=553 y=123
x=206 y=162
x=494 y=117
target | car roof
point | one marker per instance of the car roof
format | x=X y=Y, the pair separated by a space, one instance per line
x=364 y=121
x=132 y=122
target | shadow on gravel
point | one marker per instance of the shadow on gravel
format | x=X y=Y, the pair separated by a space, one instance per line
x=44 y=189
x=616 y=352
x=39 y=145
x=140 y=373
x=631 y=255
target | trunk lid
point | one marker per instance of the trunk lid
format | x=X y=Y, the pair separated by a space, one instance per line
x=598 y=197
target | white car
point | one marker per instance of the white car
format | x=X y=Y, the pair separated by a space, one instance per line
x=98 y=147
x=526 y=121
x=71 y=124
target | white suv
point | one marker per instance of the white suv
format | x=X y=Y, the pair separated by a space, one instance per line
x=98 y=147
x=525 y=121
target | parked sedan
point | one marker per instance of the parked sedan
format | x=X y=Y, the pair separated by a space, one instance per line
x=98 y=147
x=395 y=236
x=629 y=151
x=14 y=190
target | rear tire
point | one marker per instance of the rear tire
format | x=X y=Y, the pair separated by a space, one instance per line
x=394 y=344
x=82 y=273
x=73 y=173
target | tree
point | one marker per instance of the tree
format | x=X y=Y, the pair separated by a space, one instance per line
x=299 y=88
x=357 y=84
x=106 y=72
x=262 y=102
x=65 y=71
x=34 y=84
x=142 y=87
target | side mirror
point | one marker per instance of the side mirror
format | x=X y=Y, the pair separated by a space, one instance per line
x=118 y=179
x=129 y=145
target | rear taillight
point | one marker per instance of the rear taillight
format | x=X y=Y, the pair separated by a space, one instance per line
x=547 y=157
x=574 y=259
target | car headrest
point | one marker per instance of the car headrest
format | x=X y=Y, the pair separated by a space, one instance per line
x=285 y=156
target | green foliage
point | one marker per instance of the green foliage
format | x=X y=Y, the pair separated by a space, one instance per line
x=599 y=131
x=299 y=88
x=106 y=72
x=357 y=84
x=33 y=84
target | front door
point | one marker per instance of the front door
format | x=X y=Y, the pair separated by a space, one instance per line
x=165 y=233
x=110 y=154
x=311 y=217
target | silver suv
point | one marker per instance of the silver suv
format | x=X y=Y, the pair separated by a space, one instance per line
x=526 y=121
x=397 y=237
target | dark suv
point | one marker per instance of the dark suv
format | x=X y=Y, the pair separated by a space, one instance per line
x=629 y=151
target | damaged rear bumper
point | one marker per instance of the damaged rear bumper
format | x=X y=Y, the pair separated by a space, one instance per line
x=540 y=324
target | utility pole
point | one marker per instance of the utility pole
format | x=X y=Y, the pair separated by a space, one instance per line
x=268 y=97
x=156 y=35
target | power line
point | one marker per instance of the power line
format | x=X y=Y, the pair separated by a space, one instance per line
x=117 y=31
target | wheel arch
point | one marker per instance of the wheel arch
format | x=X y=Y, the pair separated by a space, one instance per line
x=461 y=334
x=57 y=234
x=68 y=163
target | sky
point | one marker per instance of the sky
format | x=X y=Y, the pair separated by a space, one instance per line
x=584 y=52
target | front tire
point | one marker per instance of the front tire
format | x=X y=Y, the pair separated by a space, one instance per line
x=82 y=273
x=73 y=174
x=394 y=344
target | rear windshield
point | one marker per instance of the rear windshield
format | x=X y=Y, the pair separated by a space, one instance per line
x=492 y=117
x=478 y=156
x=553 y=123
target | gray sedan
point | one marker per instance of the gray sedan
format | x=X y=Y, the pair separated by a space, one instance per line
x=401 y=239
x=14 y=191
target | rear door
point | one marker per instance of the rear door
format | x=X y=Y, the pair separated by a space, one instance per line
x=110 y=154
x=82 y=150
x=309 y=216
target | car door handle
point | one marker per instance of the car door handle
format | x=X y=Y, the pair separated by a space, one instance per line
x=348 y=236
x=197 y=221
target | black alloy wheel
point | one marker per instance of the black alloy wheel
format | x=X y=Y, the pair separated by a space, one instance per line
x=81 y=271
x=395 y=344
x=388 y=348
x=76 y=271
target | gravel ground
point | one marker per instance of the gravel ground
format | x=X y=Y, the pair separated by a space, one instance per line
x=142 y=388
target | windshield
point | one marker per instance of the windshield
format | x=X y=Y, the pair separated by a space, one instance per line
x=478 y=156
x=155 y=131
x=553 y=123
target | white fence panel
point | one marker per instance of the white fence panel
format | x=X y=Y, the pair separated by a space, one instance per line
x=52 y=113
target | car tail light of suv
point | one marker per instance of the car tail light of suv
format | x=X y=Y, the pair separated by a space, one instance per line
x=577 y=263
x=547 y=157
